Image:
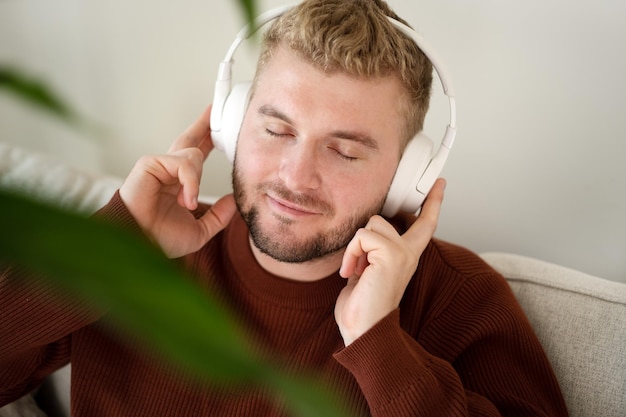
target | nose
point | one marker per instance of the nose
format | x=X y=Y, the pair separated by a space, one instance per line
x=299 y=169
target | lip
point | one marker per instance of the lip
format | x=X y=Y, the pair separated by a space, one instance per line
x=288 y=207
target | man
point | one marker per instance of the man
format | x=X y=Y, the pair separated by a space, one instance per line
x=399 y=323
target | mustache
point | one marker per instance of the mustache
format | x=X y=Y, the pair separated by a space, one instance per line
x=305 y=200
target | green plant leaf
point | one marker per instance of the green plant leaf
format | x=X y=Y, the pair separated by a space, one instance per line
x=248 y=9
x=35 y=92
x=146 y=294
x=307 y=397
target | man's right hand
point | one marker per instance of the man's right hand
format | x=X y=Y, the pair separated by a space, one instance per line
x=162 y=191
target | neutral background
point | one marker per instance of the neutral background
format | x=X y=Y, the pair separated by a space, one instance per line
x=538 y=167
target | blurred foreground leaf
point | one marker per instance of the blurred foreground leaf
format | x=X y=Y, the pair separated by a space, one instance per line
x=141 y=289
x=35 y=92
x=248 y=8
x=146 y=294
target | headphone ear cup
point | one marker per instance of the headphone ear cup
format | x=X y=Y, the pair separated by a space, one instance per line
x=403 y=193
x=233 y=112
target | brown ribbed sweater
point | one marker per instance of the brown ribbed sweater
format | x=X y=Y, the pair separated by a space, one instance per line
x=458 y=345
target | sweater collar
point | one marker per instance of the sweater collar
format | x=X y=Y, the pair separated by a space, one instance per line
x=272 y=288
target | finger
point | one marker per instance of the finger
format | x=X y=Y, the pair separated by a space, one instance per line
x=423 y=229
x=381 y=226
x=189 y=174
x=198 y=135
x=361 y=264
x=218 y=217
x=351 y=258
x=355 y=257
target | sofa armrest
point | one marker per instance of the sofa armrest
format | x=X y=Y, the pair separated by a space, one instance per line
x=581 y=321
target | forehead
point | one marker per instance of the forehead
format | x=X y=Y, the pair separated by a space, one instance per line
x=307 y=94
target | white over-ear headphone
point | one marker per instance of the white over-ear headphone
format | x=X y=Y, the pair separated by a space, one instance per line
x=418 y=168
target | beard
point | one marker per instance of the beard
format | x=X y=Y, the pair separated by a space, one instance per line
x=282 y=244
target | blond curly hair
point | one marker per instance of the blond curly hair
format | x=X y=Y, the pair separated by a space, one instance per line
x=356 y=38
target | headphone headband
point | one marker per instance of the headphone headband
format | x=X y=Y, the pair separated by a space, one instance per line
x=223 y=84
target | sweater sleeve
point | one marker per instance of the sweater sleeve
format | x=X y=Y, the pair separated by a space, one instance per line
x=478 y=356
x=37 y=319
x=398 y=377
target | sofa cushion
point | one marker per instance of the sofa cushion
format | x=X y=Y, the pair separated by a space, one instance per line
x=46 y=179
x=24 y=407
x=581 y=322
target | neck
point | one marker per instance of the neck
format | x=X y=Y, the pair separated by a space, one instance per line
x=309 y=271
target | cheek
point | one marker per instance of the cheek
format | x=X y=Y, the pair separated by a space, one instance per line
x=251 y=157
x=367 y=187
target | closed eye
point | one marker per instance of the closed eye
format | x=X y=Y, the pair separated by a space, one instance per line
x=343 y=155
x=275 y=134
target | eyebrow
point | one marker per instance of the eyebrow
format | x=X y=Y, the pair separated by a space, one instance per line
x=362 y=138
x=266 y=110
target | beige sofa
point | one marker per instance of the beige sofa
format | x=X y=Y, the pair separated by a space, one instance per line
x=581 y=322
x=579 y=318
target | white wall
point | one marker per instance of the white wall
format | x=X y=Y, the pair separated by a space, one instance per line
x=538 y=164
